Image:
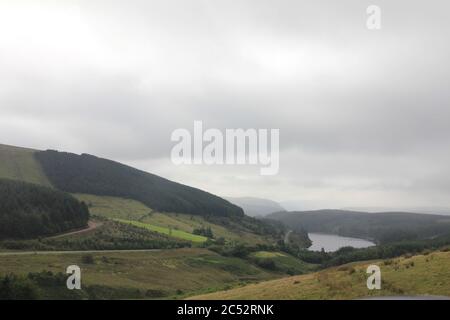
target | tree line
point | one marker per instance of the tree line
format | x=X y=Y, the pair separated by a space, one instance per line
x=29 y=211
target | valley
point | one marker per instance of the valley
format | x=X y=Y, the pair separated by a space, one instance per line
x=139 y=236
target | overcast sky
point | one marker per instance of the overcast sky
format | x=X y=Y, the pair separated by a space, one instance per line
x=363 y=115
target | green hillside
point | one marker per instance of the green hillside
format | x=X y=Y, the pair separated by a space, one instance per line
x=139 y=275
x=92 y=175
x=114 y=207
x=104 y=235
x=20 y=164
x=417 y=275
x=127 y=209
x=167 y=231
x=281 y=261
x=115 y=191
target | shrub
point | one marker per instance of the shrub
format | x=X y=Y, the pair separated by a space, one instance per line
x=388 y=262
x=266 y=264
x=13 y=287
x=87 y=259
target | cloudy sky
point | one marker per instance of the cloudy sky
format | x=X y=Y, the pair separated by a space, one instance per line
x=364 y=115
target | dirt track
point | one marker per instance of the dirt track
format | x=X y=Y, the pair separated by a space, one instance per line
x=91 y=226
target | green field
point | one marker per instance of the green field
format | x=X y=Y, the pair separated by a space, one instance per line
x=114 y=207
x=134 y=212
x=164 y=273
x=127 y=209
x=20 y=164
x=167 y=231
x=417 y=275
x=188 y=223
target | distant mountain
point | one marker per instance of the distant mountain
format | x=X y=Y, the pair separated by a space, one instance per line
x=421 y=210
x=256 y=207
x=382 y=226
x=92 y=175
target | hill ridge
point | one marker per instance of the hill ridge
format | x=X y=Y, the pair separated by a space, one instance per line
x=90 y=174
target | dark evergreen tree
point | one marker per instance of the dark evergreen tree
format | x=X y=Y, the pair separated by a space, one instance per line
x=88 y=174
x=28 y=210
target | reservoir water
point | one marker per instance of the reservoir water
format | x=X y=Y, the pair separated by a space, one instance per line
x=332 y=242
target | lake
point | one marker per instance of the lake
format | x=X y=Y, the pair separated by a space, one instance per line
x=332 y=242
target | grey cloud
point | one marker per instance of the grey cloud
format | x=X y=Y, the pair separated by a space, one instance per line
x=363 y=115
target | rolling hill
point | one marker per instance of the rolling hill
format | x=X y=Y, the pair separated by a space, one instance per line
x=126 y=209
x=92 y=175
x=118 y=192
x=135 y=275
x=409 y=275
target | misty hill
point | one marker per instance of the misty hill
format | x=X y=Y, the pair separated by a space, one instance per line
x=28 y=210
x=381 y=227
x=255 y=207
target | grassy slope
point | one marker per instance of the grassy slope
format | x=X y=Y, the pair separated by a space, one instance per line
x=188 y=223
x=167 y=231
x=93 y=175
x=193 y=271
x=114 y=208
x=284 y=262
x=19 y=164
x=417 y=275
x=119 y=208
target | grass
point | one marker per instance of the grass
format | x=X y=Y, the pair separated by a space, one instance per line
x=282 y=262
x=127 y=209
x=114 y=207
x=268 y=254
x=416 y=275
x=188 y=223
x=108 y=235
x=166 y=231
x=19 y=164
x=167 y=273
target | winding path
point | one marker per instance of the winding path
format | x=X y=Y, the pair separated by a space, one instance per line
x=91 y=226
